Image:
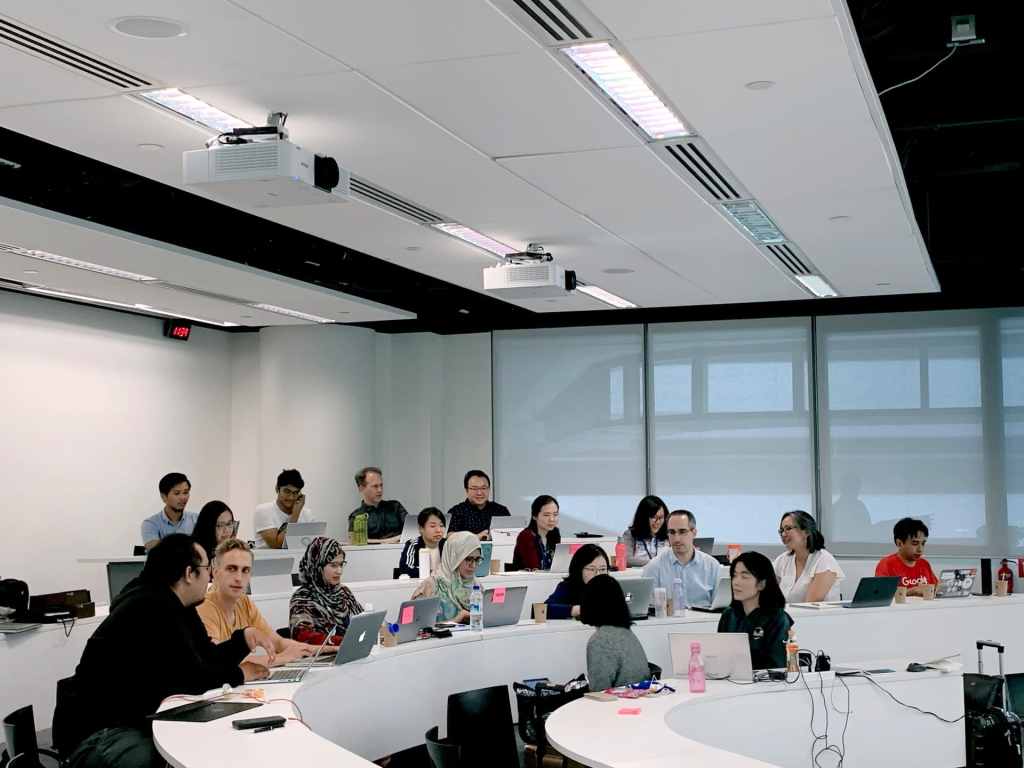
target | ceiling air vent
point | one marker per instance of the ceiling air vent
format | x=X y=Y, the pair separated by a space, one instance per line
x=555 y=22
x=790 y=258
x=381 y=198
x=694 y=161
x=22 y=38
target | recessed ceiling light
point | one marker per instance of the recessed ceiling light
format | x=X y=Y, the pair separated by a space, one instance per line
x=149 y=147
x=883 y=285
x=31 y=272
x=149 y=27
x=610 y=71
x=124 y=305
x=291 y=313
x=618 y=271
x=754 y=221
x=606 y=296
x=67 y=261
x=344 y=312
x=412 y=248
x=246 y=317
x=196 y=110
x=759 y=85
x=818 y=285
x=473 y=237
x=463 y=311
x=171 y=313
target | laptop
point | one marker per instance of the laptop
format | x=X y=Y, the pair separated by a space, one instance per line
x=721 y=597
x=638 y=593
x=1015 y=691
x=271 y=574
x=874 y=592
x=483 y=568
x=956 y=582
x=503 y=606
x=562 y=557
x=16 y=627
x=120 y=573
x=298 y=535
x=726 y=655
x=360 y=637
x=414 y=615
x=295 y=674
x=705 y=544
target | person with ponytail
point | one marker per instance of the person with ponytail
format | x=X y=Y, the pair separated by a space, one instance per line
x=807 y=572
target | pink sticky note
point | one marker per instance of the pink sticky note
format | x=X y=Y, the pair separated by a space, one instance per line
x=407 y=614
x=629 y=711
x=499 y=596
x=573 y=548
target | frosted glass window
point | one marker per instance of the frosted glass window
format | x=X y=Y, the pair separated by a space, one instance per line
x=568 y=420
x=853 y=384
x=673 y=388
x=954 y=383
x=1012 y=344
x=741 y=456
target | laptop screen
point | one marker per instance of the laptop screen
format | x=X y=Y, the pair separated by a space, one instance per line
x=1015 y=688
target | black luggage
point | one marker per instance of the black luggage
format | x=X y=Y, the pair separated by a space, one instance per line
x=992 y=731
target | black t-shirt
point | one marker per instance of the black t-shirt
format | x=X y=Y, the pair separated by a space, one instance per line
x=768 y=632
x=465 y=516
x=385 y=520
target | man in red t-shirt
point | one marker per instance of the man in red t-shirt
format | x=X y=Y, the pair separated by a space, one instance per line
x=907 y=561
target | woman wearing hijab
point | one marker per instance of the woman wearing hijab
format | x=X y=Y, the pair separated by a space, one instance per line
x=321 y=602
x=454 y=579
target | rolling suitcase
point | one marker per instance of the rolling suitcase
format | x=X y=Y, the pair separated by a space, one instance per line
x=993 y=732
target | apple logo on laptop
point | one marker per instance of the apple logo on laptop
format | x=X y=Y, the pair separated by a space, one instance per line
x=361 y=636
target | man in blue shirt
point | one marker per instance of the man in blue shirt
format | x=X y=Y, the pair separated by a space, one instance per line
x=697 y=571
x=174 y=490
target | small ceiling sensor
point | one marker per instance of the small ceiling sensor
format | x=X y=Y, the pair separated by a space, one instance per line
x=883 y=285
x=413 y=247
x=148 y=27
x=150 y=147
x=31 y=272
x=841 y=217
x=759 y=85
x=246 y=317
x=618 y=271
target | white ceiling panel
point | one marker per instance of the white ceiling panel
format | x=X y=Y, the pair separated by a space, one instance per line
x=38 y=79
x=657 y=18
x=224 y=43
x=664 y=219
x=508 y=105
x=392 y=32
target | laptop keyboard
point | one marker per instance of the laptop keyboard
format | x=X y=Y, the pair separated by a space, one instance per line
x=286 y=676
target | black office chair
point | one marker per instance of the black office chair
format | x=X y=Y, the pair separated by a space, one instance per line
x=396 y=572
x=295 y=580
x=138 y=550
x=655 y=670
x=480 y=722
x=443 y=754
x=22 y=745
x=285 y=632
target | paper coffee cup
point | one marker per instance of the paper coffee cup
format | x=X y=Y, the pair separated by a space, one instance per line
x=928 y=591
x=901 y=594
x=495 y=566
x=540 y=613
x=1002 y=588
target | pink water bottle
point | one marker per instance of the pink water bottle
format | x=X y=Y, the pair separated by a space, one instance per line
x=696 y=671
x=620 y=555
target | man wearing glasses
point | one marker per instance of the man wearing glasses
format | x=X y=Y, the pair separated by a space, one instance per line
x=697 y=571
x=475 y=513
x=271 y=519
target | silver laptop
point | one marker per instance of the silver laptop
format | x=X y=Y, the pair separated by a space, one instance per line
x=503 y=606
x=295 y=674
x=414 y=615
x=298 y=535
x=360 y=637
x=563 y=556
x=722 y=596
x=705 y=544
x=271 y=573
x=726 y=655
x=956 y=582
x=638 y=592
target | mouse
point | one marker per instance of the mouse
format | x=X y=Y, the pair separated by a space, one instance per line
x=915 y=667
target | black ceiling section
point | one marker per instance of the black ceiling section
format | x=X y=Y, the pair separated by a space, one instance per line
x=43 y=175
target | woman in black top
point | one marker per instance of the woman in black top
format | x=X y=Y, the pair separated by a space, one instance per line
x=759 y=609
x=587 y=562
x=216 y=523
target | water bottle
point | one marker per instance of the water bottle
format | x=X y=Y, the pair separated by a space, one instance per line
x=476 y=608
x=698 y=682
x=678 y=599
x=620 y=555
x=360 y=523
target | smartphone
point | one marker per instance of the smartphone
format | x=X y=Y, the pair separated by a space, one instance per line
x=600 y=696
x=257 y=722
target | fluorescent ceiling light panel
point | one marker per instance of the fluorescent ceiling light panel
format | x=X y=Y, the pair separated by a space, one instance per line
x=473 y=237
x=608 y=298
x=614 y=75
x=66 y=261
x=755 y=222
x=291 y=313
x=166 y=313
x=194 y=109
x=818 y=286
x=77 y=297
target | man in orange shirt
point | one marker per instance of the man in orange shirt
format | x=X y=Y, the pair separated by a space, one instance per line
x=908 y=561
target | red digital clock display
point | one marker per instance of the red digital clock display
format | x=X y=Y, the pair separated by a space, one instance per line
x=177 y=329
x=181 y=331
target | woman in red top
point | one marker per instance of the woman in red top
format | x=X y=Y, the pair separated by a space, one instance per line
x=908 y=561
x=536 y=543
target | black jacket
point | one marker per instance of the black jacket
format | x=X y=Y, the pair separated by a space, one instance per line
x=148 y=648
x=768 y=633
x=407 y=561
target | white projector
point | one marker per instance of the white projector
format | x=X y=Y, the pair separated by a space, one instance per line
x=266 y=174
x=527 y=281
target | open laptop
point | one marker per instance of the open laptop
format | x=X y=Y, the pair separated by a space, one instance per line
x=638 y=593
x=721 y=597
x=874 y=592
x=120 y=573
x=956 y=582
x=563 y=556
x=271 y=574
x=483 y=568
x=298 y=535
x=503 y=606
x=705 y=544
x=726 y=655
x=295 y=674
x=360 y=637
x=414 y=615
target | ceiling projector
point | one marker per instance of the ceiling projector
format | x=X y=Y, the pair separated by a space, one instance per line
x=531 y=274
x=260 y=168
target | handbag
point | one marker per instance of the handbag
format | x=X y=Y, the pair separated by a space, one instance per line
x=537 y=702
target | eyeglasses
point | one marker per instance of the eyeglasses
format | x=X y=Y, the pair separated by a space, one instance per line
x=207 y=565
x=289 y=492
x=233 y=525
x=787 y=528
x=335 y=564
x=597 y=570
x=473 y=560
x=475 y=488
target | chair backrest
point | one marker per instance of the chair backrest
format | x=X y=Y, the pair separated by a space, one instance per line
x=480 y=722
x=396 y=572
x=20 y=735
x=443 y=754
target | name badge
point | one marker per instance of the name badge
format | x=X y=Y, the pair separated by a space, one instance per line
x=758 y=633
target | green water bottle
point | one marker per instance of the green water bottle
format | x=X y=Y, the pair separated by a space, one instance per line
x=359 y=523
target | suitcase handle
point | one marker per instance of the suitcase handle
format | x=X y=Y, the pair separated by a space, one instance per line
x=990 y=644
x=981 y=645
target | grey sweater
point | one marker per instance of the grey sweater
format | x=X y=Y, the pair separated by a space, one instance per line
x=615 y=657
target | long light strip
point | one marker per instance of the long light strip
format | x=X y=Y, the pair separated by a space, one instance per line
x=224 y=323
x=754 y=221
x=67 y=261
x=473 y=237
x=617 y=78
x=291 y=313
x=818 y=285
x=196 y=110
x=606 y=296
x=125 y=305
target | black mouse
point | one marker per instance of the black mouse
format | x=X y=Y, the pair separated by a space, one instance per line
x=915 y=667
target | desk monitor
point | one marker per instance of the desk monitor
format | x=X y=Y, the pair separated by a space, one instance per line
x=638 y=592
x=414 y=615
x=119 y=574
x=271 y=575
x=705 y=544
x=300 y=534
x=503 y=606
x=956 y=582
x=726 y=655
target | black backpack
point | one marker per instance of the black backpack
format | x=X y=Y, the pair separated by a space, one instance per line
x=14 y=594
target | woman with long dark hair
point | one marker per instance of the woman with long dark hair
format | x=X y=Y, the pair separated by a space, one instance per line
x=614 y=654
x=587 y=562
x=216 y=523
x=807 y=572
x=536 y=543
x=647 y=535
x=759 y=609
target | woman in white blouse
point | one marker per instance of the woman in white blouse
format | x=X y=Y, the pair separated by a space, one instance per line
x=807 y=572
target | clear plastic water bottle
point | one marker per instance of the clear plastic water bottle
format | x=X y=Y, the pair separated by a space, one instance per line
x=476 y=608
x=678 y=598
x=698 y=681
